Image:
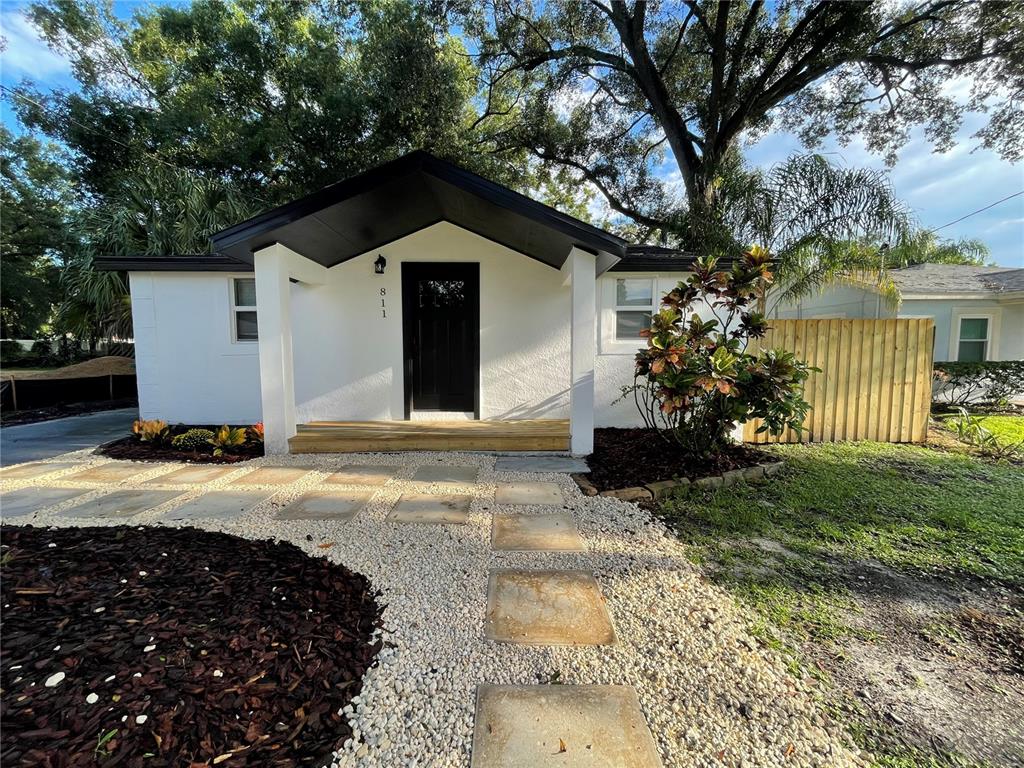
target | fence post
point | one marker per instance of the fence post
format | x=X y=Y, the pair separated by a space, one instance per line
x=14 y=393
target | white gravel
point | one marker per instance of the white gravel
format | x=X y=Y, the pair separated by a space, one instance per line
x=712 y=694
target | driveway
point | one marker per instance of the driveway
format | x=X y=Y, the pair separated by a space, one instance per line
x=30 y=442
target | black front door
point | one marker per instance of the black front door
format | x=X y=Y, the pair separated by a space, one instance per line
x=441 y=319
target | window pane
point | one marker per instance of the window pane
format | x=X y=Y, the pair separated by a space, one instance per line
x=635 y=292
x=245 y=326
x=629 y=324
x=971 y=352
x=974 y=328
x=245 y=292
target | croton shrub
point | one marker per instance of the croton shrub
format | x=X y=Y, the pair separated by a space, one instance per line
x=696 y=381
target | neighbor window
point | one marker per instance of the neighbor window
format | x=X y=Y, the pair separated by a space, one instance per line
x=243 y=308
x=634 y=305
x=974 y=339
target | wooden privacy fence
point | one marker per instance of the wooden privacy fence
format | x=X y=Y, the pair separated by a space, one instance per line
x=875 y=381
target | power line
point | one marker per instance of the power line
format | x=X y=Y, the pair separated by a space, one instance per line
x=972 y=213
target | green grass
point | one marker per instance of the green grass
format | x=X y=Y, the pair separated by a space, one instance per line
x=1007 y=429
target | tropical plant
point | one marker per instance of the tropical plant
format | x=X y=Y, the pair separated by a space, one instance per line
x=695 y=380
x=255 y=432
x=195 y=439
x=227 y=439
x=151 y=430
x=970 y=431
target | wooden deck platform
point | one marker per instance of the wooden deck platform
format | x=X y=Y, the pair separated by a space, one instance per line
x=386 y=436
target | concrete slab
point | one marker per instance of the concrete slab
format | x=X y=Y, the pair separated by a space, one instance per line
x=569 y=726
x=325 y=505
x=562 y=464
x=555 y=532
x=25 y=501
x=446 y=475
x=193 y=475
x=31 y=442
x=112 y=472
x=546 y=608
x=121 y=504
x=273 y=476
x=219 y=505
x=426 y=508
x=529 y=493
x=34 y=470
x=356 y=475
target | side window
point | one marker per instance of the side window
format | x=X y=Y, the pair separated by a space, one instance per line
x=974 y=340
x=243 y=308
x=635 y=302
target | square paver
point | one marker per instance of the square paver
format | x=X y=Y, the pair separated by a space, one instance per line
x=25 y=501
x=121 y=504
x=446 y=475
x=529 y=493
x=193 y=475
x=569 y=726
x=427 y=508
x=325 y=505
x=355 y=475
x=554 y=532
x=547 y=608
x=219 y=505
x=34 y=470
x=563 y=464
x=112 y=472
x=273 y=476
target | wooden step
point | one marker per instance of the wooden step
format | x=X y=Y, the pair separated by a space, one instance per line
x=389 y=436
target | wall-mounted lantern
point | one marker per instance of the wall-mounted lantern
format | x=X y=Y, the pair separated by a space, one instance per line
x=379 y=264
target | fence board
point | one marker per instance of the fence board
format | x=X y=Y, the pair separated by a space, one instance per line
x=874 y=384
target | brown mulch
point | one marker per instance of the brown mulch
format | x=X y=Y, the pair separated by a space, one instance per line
x=108 y=365
x=257 y=647
x=132 y=449
x=624 y=458
x=49 y=413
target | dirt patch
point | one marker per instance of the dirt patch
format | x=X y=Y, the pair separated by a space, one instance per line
x=624 y=458
x=109 y=365
x=35 y=415
x=164 y=646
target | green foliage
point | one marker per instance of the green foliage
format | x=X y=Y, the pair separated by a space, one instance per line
x=192 y=440
x=153 y=431
x=971 y=430
x=227 y=439
x=993 y=381
x=696 y=381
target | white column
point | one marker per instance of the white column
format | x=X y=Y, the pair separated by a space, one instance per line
x=582 y=274
x=274 y=322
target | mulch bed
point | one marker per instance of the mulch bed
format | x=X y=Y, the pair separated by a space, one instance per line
x=624 y=458
x=35 y=415
x=133 y=449
x=202 y=648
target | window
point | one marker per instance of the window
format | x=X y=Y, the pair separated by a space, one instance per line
x=634 y=304
x=974 y=340
x=243 y=308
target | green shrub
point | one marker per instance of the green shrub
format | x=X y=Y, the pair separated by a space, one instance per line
x=227 y=440
x=193 y=440
x=11 y=351
x=994 y=381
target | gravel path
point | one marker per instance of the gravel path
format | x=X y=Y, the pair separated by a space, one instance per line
x=711 y=694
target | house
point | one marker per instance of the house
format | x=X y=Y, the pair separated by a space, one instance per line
x=978 y=311
x=415 y=293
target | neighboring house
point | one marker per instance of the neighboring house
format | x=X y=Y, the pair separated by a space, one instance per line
x=414 y=291
x=978 y=311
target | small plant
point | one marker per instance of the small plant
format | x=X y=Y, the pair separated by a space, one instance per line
x=151 y=430
x=227 y=439
x=255 y=432
x=970 y=431
x=193 y=440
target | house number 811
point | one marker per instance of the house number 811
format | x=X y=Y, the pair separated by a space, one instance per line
x=383 y=306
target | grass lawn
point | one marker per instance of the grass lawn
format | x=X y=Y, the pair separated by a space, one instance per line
x=862 y=550
x=1007 y=429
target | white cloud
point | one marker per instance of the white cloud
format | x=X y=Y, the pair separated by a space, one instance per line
x=25 y=54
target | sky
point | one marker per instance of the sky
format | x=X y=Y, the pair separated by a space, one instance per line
x=939 y=187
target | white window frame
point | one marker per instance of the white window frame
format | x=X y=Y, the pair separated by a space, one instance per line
x=234 y=309
x=653 y=307
x=991 y=341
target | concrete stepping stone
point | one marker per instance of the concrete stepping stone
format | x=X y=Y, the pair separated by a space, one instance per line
x=357 y=475
x=25 y=501
x=554 y=532
x=121 y=504
x=325 y=505
x=529 y=493
x=441 y=474
x=561 y=464
x=427 y=508
x=193 y=475
x=31 y=471
x=273 y=476
x=569 y=726
x=113 y=472
x=219 y=505
x=546 y=608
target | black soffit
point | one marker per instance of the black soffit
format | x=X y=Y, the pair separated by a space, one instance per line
x=404 y=196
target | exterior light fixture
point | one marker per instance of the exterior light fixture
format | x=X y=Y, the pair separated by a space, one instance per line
x=379 y=264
